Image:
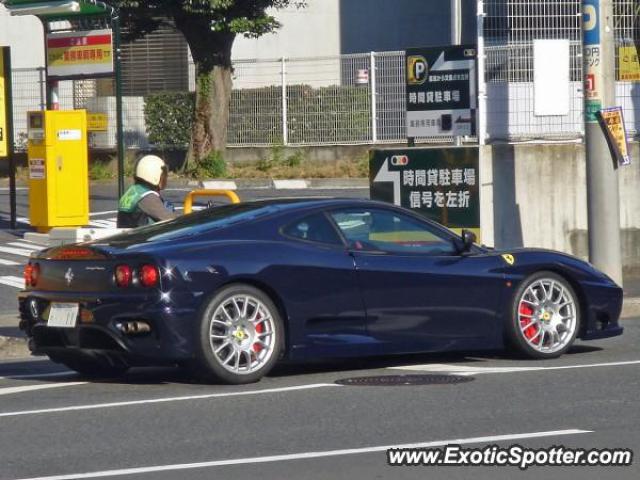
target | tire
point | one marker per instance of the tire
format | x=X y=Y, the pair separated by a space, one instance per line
x=240 y=336
x=544 y=318
x=90 y=367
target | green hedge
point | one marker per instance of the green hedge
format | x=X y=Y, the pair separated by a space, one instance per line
x=315 y=115
x=168 y=117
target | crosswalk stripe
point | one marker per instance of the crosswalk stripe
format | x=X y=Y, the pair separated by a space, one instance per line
x=12 y=281
x=9 y=263
x=26 y=246
x=15 y=251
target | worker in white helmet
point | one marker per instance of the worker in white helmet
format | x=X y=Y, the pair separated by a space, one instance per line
x=142 y=204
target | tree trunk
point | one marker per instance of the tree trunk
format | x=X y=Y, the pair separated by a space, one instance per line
x=213 y=96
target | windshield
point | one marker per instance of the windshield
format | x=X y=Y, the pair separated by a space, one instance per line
x=194 y=224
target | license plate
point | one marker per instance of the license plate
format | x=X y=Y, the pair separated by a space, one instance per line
x=63 y=315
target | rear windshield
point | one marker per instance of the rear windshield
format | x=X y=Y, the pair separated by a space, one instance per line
x=194 y=224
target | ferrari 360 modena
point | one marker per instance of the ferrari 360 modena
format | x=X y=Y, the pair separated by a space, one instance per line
x=231 y=290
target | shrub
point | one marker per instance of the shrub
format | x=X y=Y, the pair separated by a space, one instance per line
x=168 y=117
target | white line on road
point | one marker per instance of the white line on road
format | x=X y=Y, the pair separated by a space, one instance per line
x=108 y=212
x=39 y=375
x=9 y=263
x=16 y=251
x=310 y=455
x=467 y=370
x=166 y=400
x=18 y=189
x=11 y=281
x=26 y=246
x=30 y=388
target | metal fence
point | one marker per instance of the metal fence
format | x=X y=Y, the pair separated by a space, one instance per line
x=360 y=99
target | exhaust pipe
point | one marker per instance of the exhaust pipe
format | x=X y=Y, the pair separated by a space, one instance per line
x=134 y=327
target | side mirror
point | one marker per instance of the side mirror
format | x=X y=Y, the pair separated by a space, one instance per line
x=468 y=239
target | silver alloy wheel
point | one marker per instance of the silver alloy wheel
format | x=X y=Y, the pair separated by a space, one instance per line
x=242 y=334
x=547 y=315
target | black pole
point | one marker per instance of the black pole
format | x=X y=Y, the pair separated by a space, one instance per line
x=115 y=20
x=6 y=52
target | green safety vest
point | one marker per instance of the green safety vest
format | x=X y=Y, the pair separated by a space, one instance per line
x=129 y=215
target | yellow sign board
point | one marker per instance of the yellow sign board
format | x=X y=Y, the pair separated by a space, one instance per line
x=97 y=122
x=613 y=123
x=629 y=64
x=3 y=109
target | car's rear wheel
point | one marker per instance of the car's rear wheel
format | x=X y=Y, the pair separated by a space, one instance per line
x=241 y=335
x=545 y=316
x=90 y=367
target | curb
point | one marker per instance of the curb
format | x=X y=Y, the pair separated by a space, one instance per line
x=630 y=307
x=289 y=184
x=12 y=347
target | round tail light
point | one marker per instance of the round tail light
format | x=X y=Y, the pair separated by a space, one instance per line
x=28 y=271
x=149 y=276
x=124 y=275
x=31 y=274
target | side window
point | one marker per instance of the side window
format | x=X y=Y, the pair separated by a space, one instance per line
x=314 y=228
x=390 y=232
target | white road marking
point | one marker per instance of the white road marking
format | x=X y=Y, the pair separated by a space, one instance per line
x=310 y=455
x=26 y=246
x=7 y=218
x=468 y=370
x=15 y=251
x=111 y=223
x=9 y=263
x=39 y=375
x=11 y=281
x=107 y=212
x=44 y=386
x=166 y=400
x=18 y=189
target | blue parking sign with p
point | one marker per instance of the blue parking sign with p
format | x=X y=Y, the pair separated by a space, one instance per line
x=591 y=21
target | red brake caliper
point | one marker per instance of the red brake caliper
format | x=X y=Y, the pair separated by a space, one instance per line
x=259 y=329
x=525 y=309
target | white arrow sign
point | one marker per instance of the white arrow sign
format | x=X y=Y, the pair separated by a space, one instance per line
x=384 y=175
x=442 y=66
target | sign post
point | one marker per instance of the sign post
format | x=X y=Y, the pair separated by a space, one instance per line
x=441 y=91
x=6 y=126
x=440 y=183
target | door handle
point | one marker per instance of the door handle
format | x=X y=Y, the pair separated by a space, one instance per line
x=60 y=162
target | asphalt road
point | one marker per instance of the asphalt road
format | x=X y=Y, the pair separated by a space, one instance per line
x=297 y=423
x=14 y=251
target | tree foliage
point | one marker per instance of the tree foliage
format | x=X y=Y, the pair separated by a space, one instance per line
x=210 y=28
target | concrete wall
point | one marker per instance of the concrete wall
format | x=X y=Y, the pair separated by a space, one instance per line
x=535 y=196
x=313 y=31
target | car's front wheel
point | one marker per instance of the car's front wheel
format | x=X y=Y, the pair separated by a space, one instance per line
x=545 y=316
x=241 y=335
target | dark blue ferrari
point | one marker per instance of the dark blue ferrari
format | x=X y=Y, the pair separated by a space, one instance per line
x=232 y=289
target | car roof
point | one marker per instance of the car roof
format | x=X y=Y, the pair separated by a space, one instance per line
x=292 y=204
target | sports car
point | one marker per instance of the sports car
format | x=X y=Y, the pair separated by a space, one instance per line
x=233 y=289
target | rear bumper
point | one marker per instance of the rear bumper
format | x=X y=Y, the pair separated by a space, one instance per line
x=97 y=332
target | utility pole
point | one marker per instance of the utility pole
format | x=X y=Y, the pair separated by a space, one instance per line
x=603 y=201
x=456 y=22
x=456 y=39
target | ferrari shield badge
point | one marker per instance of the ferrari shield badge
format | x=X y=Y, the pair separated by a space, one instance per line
x=509 y=258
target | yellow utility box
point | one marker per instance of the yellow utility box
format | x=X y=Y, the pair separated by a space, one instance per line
x=58 y=169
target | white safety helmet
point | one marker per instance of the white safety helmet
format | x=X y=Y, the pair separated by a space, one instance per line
x=150 y=169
